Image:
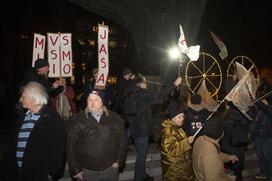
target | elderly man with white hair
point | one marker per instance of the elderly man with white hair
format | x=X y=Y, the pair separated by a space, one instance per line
x=95 y=142
x=40 y=139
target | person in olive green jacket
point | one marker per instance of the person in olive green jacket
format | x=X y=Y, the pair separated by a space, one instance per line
x=176 y=147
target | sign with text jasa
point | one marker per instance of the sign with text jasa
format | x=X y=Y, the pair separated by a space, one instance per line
x=103 y=57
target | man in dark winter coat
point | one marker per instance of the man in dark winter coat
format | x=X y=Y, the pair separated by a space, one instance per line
x=95 y=142
x=39 y=74
x=141 y=123
x=39 y=143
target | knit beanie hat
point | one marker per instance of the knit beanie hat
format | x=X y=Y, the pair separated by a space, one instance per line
x=174 y=108
x=99 y=93
x=39 y=63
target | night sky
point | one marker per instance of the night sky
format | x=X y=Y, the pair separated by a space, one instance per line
x=244 y=26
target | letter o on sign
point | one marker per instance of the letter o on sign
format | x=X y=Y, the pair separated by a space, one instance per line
x=66 y=69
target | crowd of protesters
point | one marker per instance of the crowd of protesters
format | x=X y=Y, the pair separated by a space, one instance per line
x=51 y=131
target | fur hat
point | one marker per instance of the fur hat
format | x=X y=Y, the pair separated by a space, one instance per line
x=39 y=63
x=213 y=129
x=174 y=108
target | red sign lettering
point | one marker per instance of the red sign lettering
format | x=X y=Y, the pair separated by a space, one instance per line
x=101 y=78
x=54 y=68
x=66 y=40
x=103 y=62
x=66 y=68
x=39 y=42
x=54 y=42
x=102 y=48
x=104 y=35
x=53 y=52
x=66 y=55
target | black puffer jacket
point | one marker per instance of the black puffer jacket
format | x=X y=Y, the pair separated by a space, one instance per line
x=92 y=145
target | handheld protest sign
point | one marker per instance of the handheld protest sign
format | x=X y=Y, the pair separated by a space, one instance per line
x=103 y=57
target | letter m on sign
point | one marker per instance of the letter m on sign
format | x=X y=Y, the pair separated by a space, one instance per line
x=38 y=47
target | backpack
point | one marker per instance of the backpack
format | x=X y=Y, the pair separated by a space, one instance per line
x=129 y=105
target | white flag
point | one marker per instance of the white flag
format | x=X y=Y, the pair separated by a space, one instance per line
x=192 y=52
x=239 y=95
x=182 y=43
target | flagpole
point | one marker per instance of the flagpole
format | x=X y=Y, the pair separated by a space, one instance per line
x=216 y=108
x=260 y=98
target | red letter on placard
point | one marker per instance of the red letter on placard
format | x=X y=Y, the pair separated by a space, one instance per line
x=101 y=78
x=66 y=55
x=66 y=40
x=104 y=35
x=103 y=62
x=53 y=52
x=54 y=68
x=54 y=42
x=37 y=42
x=102 y=49
x=66 y=68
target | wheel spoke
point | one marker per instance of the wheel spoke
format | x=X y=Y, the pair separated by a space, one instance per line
x=194 y=77
x=198 y=84
x=215 y=75
x=212 y=84
x=204 y=65
x=210 y=67
x=197 y=68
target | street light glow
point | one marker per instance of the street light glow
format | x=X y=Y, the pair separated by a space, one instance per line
x=174 y=53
